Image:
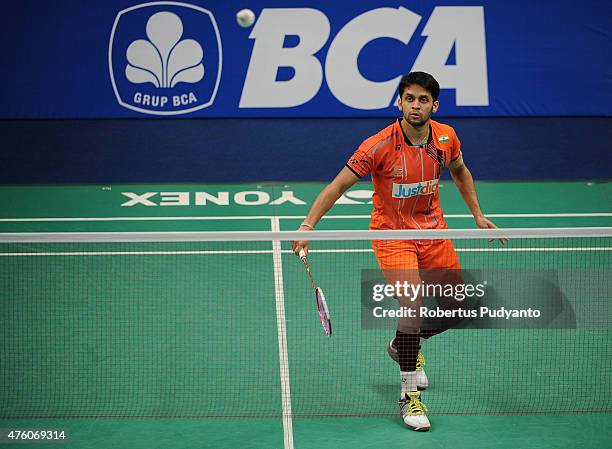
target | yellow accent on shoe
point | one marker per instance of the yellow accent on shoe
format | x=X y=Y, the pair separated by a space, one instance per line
x=420 y=364
x=413 y=404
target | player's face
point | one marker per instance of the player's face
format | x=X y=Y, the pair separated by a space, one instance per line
x=417 y=105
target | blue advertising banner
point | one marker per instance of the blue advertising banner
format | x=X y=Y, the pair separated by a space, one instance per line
x=134 y=59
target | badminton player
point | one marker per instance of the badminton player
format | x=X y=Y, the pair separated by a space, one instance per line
x=405 y=160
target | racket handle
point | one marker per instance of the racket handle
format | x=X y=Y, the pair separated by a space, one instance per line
x=303 y=255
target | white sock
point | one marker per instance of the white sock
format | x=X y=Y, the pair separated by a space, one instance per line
x=409 y=381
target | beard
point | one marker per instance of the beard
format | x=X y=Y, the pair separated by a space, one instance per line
x=417 y=123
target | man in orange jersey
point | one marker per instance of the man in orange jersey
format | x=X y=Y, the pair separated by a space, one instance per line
x=406 y=160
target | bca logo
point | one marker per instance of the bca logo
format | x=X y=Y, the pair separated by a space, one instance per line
x=165 y=58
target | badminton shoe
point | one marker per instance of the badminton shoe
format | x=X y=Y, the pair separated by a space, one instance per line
x=412 y=411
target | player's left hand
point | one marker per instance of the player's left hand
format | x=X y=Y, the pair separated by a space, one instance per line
x=484 y=223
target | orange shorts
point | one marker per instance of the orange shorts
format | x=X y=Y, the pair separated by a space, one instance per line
x=415 y=254
x=431 y=261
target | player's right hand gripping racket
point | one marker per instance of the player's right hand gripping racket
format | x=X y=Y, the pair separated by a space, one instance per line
x=321 y=304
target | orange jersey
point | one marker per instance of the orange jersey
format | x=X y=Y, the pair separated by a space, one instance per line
x=406 y=176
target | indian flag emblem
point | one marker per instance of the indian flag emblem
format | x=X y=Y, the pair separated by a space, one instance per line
x=443 y=139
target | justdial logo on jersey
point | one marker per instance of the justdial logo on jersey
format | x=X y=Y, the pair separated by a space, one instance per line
x=418 y=188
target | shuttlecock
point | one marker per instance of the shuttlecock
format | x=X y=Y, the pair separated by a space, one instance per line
x=245 y=18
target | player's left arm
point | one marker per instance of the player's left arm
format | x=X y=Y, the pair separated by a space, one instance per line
x=465 y=183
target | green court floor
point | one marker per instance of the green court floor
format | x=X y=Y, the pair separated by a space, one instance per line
x=247 y=391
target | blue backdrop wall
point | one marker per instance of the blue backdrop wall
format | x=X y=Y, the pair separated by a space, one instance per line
x=238 y=150
x=135 y=91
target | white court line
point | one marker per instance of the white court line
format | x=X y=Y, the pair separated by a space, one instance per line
x=513 y=250
x=551 y=215
x=139 y=253
x=52 y=219
x=543 y=215
x=468 y=250
x=286 y=217
x=283 y=355
x=287 y=251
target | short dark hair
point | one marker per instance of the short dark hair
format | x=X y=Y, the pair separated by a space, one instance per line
x=425 y=80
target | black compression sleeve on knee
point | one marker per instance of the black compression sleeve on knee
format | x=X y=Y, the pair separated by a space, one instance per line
x=407 y=350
